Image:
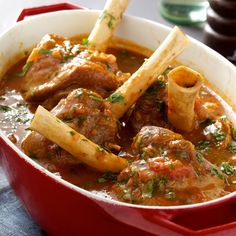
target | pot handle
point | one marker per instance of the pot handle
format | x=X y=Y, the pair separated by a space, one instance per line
x=48 y=8
x=210 y=220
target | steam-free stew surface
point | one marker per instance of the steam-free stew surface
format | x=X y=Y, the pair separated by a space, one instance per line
x=210 y=140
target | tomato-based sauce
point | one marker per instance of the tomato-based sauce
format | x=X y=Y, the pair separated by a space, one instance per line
x=212 y=139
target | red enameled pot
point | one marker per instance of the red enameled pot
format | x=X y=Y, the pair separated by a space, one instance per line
x=63 y=209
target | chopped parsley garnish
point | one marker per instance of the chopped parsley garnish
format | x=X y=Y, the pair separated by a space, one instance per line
x=234 y=133
x=232 y=147
x=219 y=135
x=161 y=184
x=171 y=166
x=107 y=176
x=25 y=69
x=148 y=188
x=199 y=157
x=155 y=87
x=139 y=143
x=182 y=154
x=67 y=57
x=107 y=65
x=170 y=195
x=228 y=168
x=215 y=171
x=85 y=41
x=207 y=122
x=44 y=51
x=17 y=113
x=115 y=98
x=104 y=15
x=5 y=108
x=202 y=145
x=95 y=98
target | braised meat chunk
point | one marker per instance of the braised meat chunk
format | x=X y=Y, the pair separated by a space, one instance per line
x=169 y=167
x=150 y=108
x=56 y=65
x=84 y=111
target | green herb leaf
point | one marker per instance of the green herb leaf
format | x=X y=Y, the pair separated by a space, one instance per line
x=44 y=51
x=104 y=15
x=219 y=135
x=139 y=143
x=170 y=195
x=5 y=108
x=228 y=168
x=155 y=87
x=67 y=57
x=232 y=147
x=95 y=98
x=215 y=171
x=148 y=188
x=202 y=145
x=25 y=69
x=107 y=176
x=115 y=98
x=161 y=184
x=234 y=133
x=182 y=154
x=199 y=157
x=85 y=41
x=171 y=166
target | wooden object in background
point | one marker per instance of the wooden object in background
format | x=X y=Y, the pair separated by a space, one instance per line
x=220 y=32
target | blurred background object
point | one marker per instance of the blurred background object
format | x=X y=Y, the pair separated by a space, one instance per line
x=184 y=11
x=220 y=32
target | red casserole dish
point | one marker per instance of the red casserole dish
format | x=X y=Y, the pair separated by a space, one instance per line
x=63 y=209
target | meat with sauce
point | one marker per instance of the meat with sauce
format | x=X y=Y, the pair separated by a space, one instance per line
x=150 y=109
x=168 y=166
x=84 y=111
x=57 y=65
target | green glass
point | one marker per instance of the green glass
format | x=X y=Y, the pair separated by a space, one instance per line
x=184 y=11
